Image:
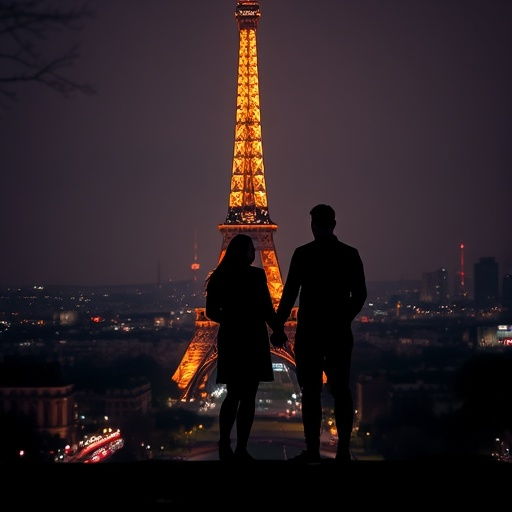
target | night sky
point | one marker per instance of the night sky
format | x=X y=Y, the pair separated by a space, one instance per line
x=397 y=113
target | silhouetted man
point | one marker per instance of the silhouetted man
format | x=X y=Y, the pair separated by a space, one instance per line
x=328 y=277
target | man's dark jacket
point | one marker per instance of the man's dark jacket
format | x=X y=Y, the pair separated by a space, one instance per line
x=328 y=277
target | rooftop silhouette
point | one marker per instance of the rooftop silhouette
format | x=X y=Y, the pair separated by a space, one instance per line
x=158 y=485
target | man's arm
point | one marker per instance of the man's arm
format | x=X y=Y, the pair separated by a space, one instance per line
x=358 y=292
x=290 y=290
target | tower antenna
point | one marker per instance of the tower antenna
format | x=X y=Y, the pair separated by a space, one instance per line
x=195 y=265
x=462 y=276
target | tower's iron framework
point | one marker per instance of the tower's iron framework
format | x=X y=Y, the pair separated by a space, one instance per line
x=247 y=210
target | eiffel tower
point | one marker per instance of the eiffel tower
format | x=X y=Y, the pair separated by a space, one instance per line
x=247 y=211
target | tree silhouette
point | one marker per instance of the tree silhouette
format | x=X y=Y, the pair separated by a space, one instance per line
x=26 y=27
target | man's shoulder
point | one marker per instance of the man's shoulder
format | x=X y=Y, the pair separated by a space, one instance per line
x=306 y=246
x=304 y=249
x=333 y=242
x=347 y=247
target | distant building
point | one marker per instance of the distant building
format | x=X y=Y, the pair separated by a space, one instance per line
x=486 y=282
x=117 y=402
x=506 y=297
x=434 y=287
x=37 y=392
x=372 y=397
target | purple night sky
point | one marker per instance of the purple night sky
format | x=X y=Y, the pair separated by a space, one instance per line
x=396 y=113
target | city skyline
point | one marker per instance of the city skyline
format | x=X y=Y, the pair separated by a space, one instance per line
x=453 y=279
x=397 y=115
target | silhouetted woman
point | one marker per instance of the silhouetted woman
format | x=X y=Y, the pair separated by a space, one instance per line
x=237 y=297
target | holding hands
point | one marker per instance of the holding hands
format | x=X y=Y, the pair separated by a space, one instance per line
x=278 y=338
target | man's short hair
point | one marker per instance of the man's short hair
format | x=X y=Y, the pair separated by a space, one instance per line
x=323 y=215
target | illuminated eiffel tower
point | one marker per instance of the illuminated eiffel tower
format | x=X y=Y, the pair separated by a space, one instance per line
x=247 y=210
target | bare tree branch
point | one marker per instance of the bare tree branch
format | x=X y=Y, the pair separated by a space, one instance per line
x=25 y=27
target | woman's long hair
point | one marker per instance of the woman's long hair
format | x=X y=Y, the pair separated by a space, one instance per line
x=235 y=257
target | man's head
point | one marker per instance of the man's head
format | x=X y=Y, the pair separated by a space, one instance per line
x=323 y=219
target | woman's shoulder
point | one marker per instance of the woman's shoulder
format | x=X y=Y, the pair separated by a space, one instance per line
x=256 y=271
x=253 y=275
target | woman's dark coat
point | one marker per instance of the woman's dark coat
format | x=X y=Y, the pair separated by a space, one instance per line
x=242 y=305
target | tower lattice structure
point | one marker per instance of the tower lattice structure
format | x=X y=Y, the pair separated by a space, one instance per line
x=247 y=210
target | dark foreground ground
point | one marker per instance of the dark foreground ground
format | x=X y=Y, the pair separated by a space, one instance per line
x=264 y=484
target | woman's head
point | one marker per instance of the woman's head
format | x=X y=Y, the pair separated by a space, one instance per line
x=240 y=251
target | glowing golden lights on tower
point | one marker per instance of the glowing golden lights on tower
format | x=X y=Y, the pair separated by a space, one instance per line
x=248 y=194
